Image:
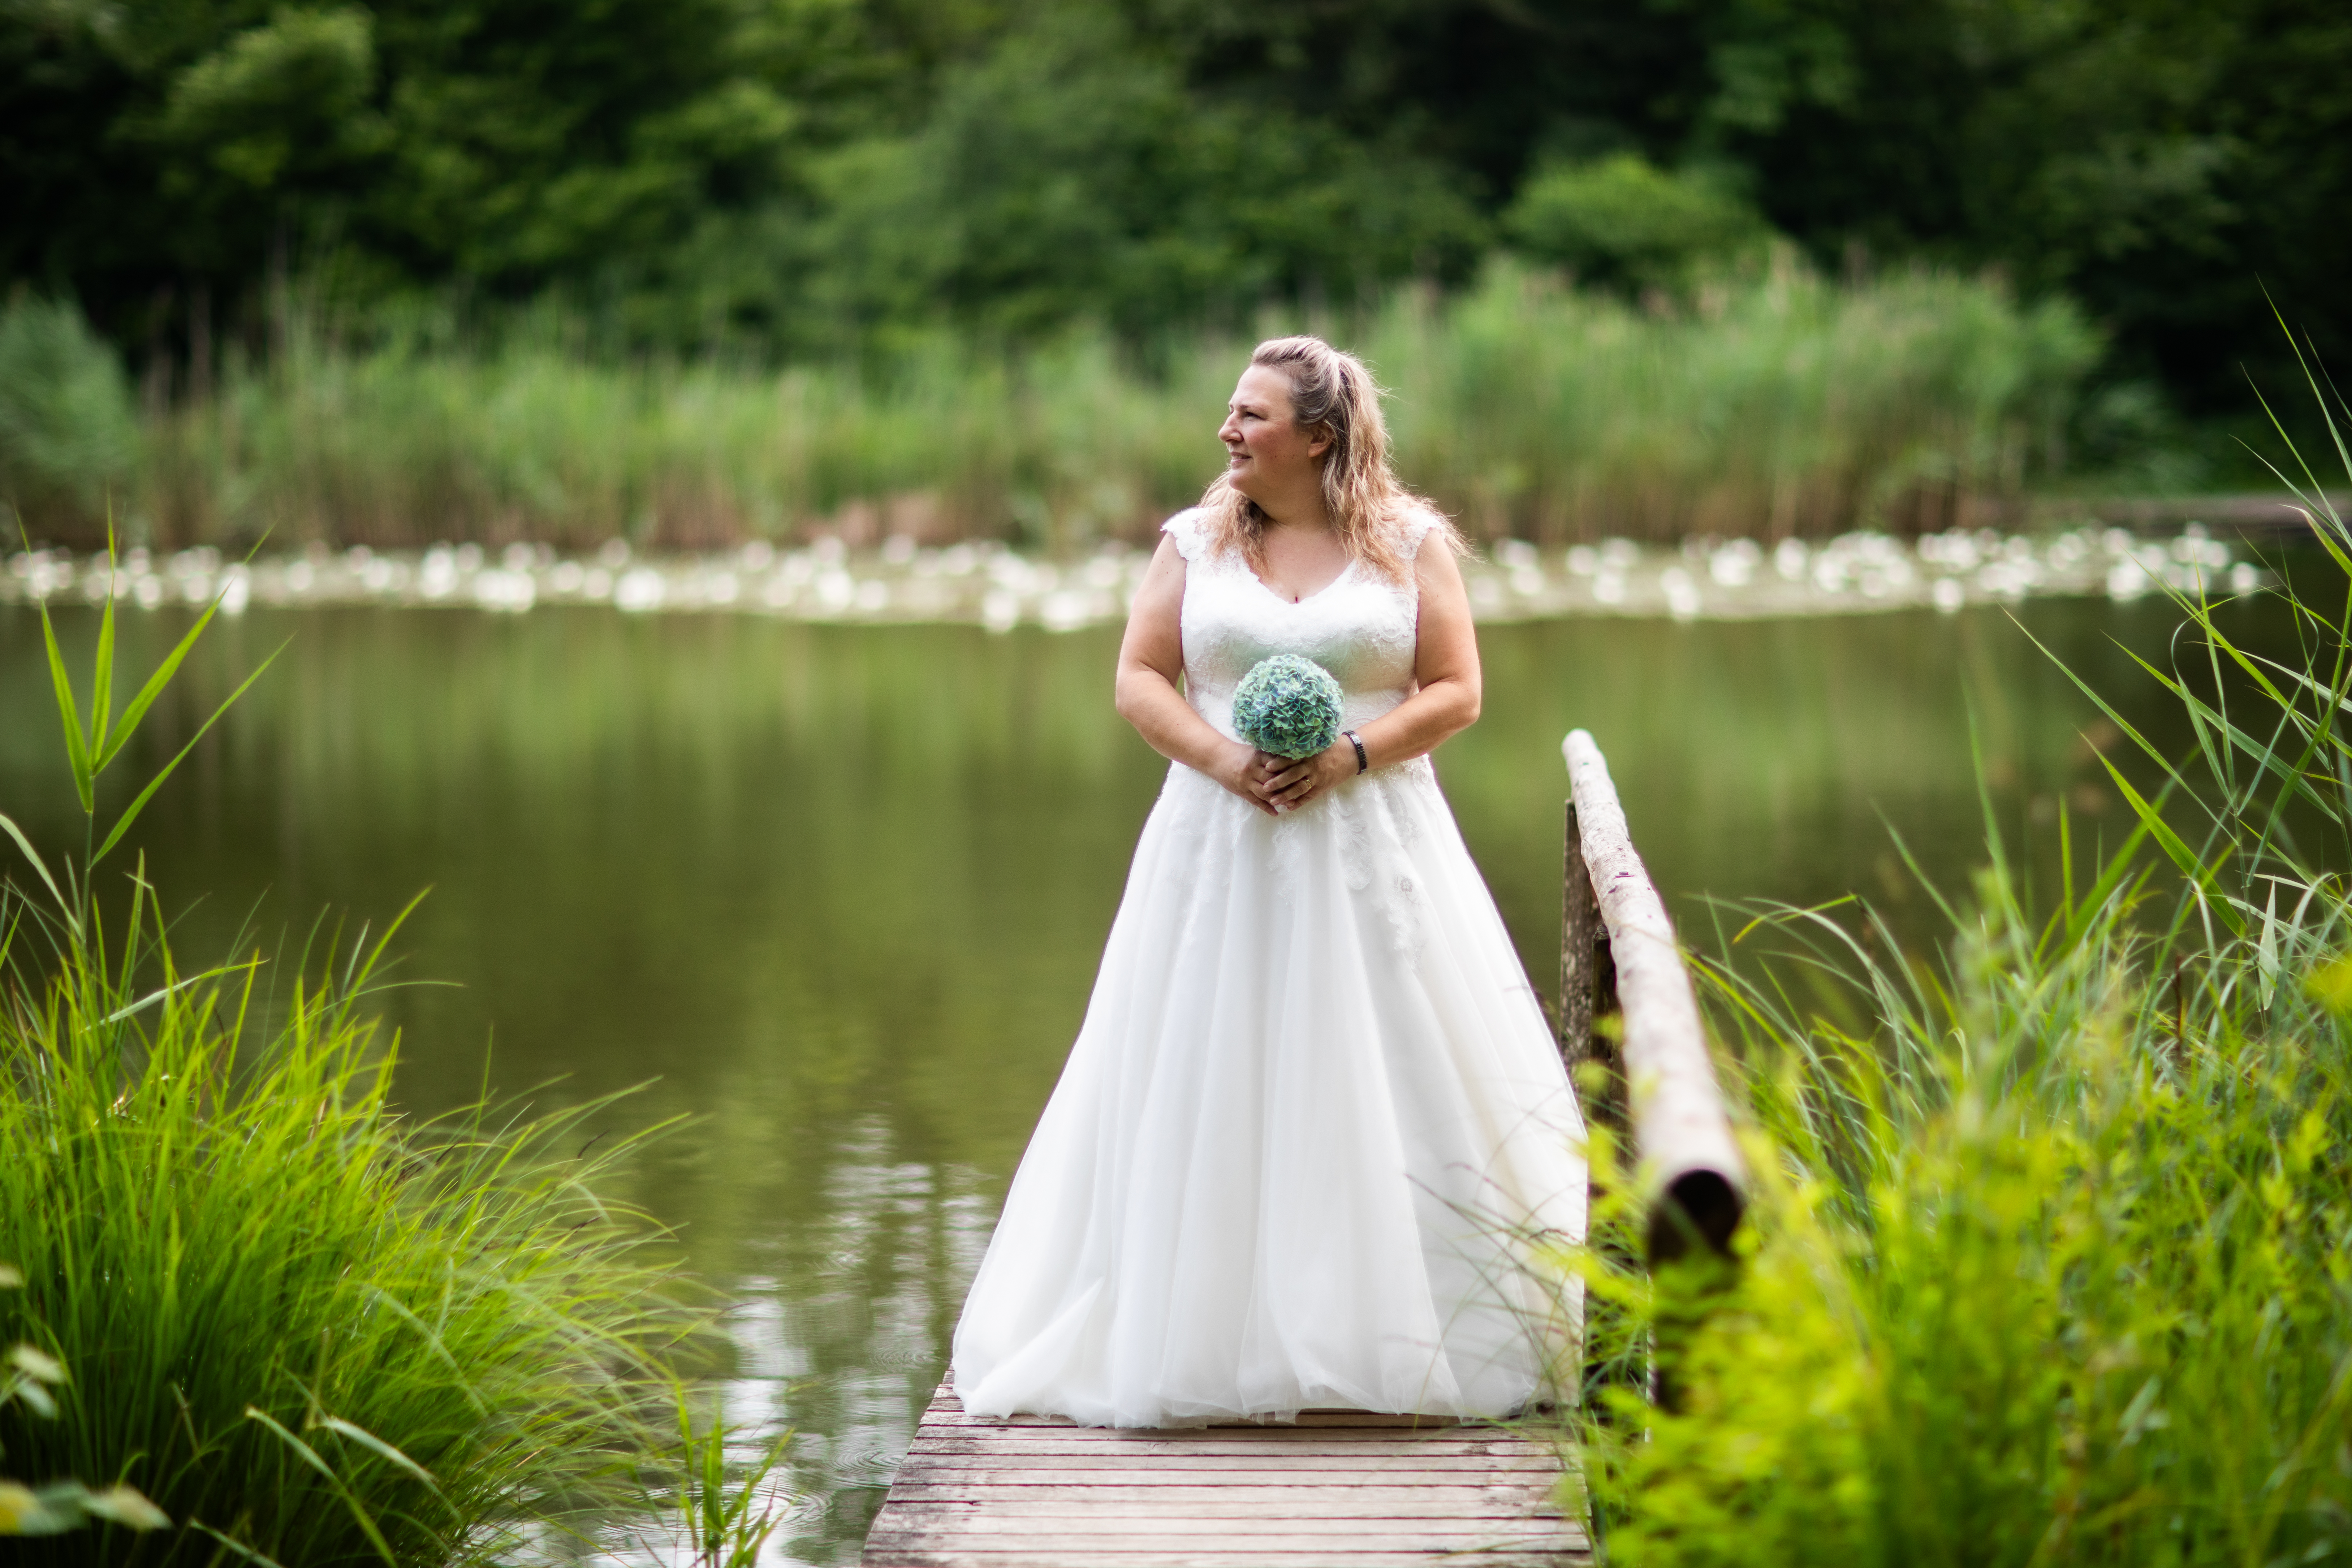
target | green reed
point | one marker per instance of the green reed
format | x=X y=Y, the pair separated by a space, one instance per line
x=2050 y=1252
x=1777 y=404
x=309 y=1329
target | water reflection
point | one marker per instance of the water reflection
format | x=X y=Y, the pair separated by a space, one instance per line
x=837 y=892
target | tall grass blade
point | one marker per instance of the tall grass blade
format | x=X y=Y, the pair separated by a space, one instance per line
x=39 y=868
x=310 y=1457
x=2175 y=847
x=230 y=1543
x=378 y=1447
x=139 y=803
x=102 y=683
x=78 y=755
x=156 y=684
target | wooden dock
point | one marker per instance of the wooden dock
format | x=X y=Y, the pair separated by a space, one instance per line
x=1345 y=1488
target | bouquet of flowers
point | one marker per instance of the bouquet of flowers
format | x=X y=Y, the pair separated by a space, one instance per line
x=1288 y=707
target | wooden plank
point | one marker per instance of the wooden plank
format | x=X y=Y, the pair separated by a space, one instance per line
x=1253 y=1551
x=1022 y=1433
x=1580 y=932
x=1262 y=1550
x=1236 y=1463
x=1369 y=1445
x=1248 y=1541
x=1690 y=1170
x=1241 y=1551
x=1139 y=1535
x=1354 y=1489
x=1380 y=1506
x=946 y=1416
x=1356 y=1517
x=1534 y=1492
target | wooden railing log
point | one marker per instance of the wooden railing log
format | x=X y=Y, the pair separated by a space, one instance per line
x=1688 y=1168
x=1582 y=939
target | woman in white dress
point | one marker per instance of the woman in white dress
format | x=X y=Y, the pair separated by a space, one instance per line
x=1314 y=1135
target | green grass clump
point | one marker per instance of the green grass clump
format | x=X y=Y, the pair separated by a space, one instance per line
x=310 y=1332
x=292 y=1321
x=2051 y=1259
x=1776 y=404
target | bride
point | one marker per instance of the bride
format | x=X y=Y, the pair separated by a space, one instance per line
x=1314 y=1134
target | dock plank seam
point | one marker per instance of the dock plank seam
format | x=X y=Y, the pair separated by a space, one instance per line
x=1342 y=1488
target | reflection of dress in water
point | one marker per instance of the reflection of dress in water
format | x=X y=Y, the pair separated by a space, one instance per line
x=1313 y=1098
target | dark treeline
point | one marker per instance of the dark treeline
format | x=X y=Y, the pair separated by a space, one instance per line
x=800 y=176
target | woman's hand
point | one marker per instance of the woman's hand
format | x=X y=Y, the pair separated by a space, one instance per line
x=1285 y=785
x=1241 y=769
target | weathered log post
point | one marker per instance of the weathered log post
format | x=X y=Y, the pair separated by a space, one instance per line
x=1588 y=986
x=1618 y=946
x=1626 y=1004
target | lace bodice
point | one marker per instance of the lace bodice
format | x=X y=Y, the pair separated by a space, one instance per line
x=1363 y=629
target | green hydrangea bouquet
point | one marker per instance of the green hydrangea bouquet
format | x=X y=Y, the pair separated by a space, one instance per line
x=1287 y=706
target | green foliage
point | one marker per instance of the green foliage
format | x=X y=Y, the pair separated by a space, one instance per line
x=1069 y=171
x=1779 y=405
x=1623 y=221
x=2052 y=1245
x=799 y=174
x=61 y=1506
x=67 y=429
x=2044 y=1286
x=726 y=1516
x=311 y=1331
x=293 y=93
x=323 y=1334
x=2154 y=159
x=27 y=1379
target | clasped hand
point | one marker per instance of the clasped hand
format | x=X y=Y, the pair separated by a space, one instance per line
x=1275 y=784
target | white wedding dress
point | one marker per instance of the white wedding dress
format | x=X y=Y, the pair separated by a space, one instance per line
x=1314 y=1138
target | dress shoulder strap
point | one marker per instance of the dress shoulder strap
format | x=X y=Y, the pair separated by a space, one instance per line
x=1414 y=530
x=1192 y=539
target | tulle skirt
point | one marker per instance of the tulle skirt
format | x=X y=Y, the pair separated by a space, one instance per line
x=1314 y=1145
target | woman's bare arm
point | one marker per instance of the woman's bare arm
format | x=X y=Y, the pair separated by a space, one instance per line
x=1150 y=666
x=1445 y=663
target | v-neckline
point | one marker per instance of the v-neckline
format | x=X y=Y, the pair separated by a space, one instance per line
x=1272 y=592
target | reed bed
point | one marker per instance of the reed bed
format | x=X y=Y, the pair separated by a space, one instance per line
x=2052 y=1252
x=298 y=1327
x=1781 y=405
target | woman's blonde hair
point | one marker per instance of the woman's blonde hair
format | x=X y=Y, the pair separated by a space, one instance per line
x=1333 y=392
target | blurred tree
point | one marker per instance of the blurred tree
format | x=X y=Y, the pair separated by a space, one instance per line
x=67 y=431
x=805 y=174
x=1069 y=169
x=277 y=104
x=2161 y=158
x=1620 y=221
x=511 y=143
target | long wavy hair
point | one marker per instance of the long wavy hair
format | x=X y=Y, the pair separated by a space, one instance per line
x=1332 y=391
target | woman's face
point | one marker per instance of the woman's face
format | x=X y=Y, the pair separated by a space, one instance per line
x=1269 y=457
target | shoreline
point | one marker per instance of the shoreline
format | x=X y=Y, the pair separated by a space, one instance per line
x=994 y=587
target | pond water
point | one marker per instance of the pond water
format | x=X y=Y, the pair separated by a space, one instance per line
x=838 y=892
